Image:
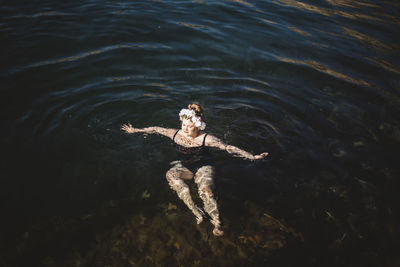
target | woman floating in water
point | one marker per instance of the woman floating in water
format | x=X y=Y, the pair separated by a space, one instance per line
x=191 y=144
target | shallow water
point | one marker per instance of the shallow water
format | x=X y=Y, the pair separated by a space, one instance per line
x=315 y=83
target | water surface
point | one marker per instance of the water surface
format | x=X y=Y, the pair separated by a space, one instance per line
x=315 y=83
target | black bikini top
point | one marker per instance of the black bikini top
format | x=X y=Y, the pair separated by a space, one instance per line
x=189 y=150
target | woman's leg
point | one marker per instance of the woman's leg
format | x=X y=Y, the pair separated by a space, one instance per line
x=174 y=178
x=204 y=180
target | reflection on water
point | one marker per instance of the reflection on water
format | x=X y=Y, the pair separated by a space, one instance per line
x=369 y=40
x=98 y=51
x=385 y=65
x=315 y=83
x=43 y=14
x=192 y=25
x=305 y=6
x=269 y=21
x=332 y=12
x=322 y=68
x=299 y=31
x=243 y=3
x=352 y=3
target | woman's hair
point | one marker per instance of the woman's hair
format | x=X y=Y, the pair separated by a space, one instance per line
x=197 y=109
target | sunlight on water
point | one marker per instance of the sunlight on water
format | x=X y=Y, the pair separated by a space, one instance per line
x=352 y=3
x=331 y=12
x=98 y=51
x=322 y=68
x=370 y=41
x=299 y=31
x=385 y=65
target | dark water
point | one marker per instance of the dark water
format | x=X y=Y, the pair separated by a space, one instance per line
x=315 y=83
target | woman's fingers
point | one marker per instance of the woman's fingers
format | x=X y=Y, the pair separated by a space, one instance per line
x=261 y=156
x=127 y=127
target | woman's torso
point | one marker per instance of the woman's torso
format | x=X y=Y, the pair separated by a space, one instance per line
x=192 y=154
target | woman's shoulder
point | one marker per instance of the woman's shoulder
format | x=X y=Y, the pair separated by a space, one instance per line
x=170 y=132
x=208 y=135
x=214 y=141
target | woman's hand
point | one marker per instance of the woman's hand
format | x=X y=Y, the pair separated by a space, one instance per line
x=128 y=128
x=260 y=156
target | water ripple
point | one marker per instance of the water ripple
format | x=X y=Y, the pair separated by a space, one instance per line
x=243 y=3
x=331 y=12
x=385 y=65
x=80 y=56
x=299 y=31
x=368 y=40
x=324 y=69
x=351 y=3
x=239 y=78
x=200 y=27
x=43 y=14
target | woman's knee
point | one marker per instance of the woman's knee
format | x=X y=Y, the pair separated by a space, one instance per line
x=179 y=173
x=204 y=175
x=171 y=175
x=207 y=171
x=175 y=173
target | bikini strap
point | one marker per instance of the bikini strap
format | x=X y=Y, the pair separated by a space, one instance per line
x=204 y=140
x=173 y=138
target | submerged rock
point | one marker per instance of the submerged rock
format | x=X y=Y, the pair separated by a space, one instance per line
x=145 y=194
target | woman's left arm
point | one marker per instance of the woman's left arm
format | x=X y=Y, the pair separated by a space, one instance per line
x=213 y=141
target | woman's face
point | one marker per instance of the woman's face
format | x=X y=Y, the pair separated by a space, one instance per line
x=188 y=128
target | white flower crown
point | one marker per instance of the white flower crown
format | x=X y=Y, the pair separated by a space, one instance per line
x=191 y=115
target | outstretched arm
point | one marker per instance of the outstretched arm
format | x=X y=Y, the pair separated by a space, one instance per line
x=213 y=141
x=149 y=130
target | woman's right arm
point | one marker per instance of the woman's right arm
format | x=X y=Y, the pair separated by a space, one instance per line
x=149 y=130
x=233 y=150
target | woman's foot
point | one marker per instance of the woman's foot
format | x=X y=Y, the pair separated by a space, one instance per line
x=199 y=219
x=198 y=213
x=218 y=231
